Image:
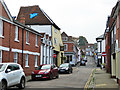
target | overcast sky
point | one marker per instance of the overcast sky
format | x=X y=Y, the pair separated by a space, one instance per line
x=75 y=17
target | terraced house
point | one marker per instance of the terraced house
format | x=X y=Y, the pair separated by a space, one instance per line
x=112 y=34
x=18 y=43
x=37 y=19
x=115 y=40
x=70 y=48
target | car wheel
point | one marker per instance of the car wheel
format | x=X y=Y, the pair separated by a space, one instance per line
x=51 y=76
x=4 y=85
x=22 y=83
x=69 y=72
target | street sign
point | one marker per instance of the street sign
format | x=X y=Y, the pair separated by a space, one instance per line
x=54 y=55
x=104 y=54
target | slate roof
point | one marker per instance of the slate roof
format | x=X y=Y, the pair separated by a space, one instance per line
x=41 y=19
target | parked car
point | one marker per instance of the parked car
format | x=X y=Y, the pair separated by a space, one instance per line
x=65 y=68
x=83 y=63
x=11 y=74
x=48 y=71
x=72 y=63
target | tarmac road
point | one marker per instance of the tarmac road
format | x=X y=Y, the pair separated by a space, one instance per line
x=77 y=79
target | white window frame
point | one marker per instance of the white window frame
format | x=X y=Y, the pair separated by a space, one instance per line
x=117 y=21
x=27 y=37
x=65 y=38
x=16 y=33
x=1 y=28
x=15 y=57
x=0 y=56
x=36 y=40
x=112 y=37
x=26 y=60
x=55 y=30
x=55 y=41
x=66 y=47
x=36 y=59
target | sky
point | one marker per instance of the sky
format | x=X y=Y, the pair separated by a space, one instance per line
x=75 y=17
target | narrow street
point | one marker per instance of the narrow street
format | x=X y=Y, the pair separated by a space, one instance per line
x=77 y=79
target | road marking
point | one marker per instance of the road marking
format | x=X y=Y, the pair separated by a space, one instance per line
x=86 y=85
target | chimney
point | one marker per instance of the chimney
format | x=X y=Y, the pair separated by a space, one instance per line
x=22 y=19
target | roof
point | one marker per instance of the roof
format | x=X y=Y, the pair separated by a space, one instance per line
x=64 y=34
x=6 y=9
x=40 y=18
x=100 y=37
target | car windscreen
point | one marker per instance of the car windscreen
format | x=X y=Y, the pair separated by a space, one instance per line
x=44 y=67
x=2 y=67
x=64 y=65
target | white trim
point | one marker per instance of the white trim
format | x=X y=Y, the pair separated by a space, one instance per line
x=27 y=66
x=15 y=57
x=1 y=56
x=2 y=36
x=6 y=9
x=65 y=49
x=4 y=48
x=25 y=52
x=26 y=60
x=36 y=59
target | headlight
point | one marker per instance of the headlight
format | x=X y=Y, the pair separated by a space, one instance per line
x=47 y=71
x=66 y=68
x=32 y=72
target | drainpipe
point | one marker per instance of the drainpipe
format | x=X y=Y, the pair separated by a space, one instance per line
x=9 y=44
x=22 y=46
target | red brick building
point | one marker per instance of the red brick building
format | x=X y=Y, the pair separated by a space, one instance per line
x=70 y=48
x=107 y=47
x=18 y=43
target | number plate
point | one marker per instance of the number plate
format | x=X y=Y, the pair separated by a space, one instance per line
x=38 y=76
x=62 y=70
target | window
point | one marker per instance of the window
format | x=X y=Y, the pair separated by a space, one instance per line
x=15 y=67
x=1 y=28
x=0 y=56
x=70 y=57
x=117 y=22
x=26 y=60
x=27 y=37
x=55 y=41
x=112 y=37
x=65 y=47
x=15 y=57
x=64 y=38
x=36 y=41
x=36 y=61
x=114 y=33
x=55 y=30
x=16 y=33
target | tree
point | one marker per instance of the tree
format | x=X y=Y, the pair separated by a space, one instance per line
x=82 y=41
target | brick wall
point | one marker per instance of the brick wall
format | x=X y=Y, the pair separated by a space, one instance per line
x=70 y=47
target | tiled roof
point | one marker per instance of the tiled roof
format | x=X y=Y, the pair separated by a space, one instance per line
x=41 y=18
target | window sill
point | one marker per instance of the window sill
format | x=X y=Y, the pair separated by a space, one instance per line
x=27 y=66
x=36 y=46
x=2 y=37
x=16 y=40
x=36 y=66
x=27 y=43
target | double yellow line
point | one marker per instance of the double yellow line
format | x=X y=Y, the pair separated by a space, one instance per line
x=89 y=79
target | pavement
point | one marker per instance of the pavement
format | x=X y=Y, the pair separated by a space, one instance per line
x=100 y=79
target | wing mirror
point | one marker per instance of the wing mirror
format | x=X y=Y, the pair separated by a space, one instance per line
x=8 y=70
